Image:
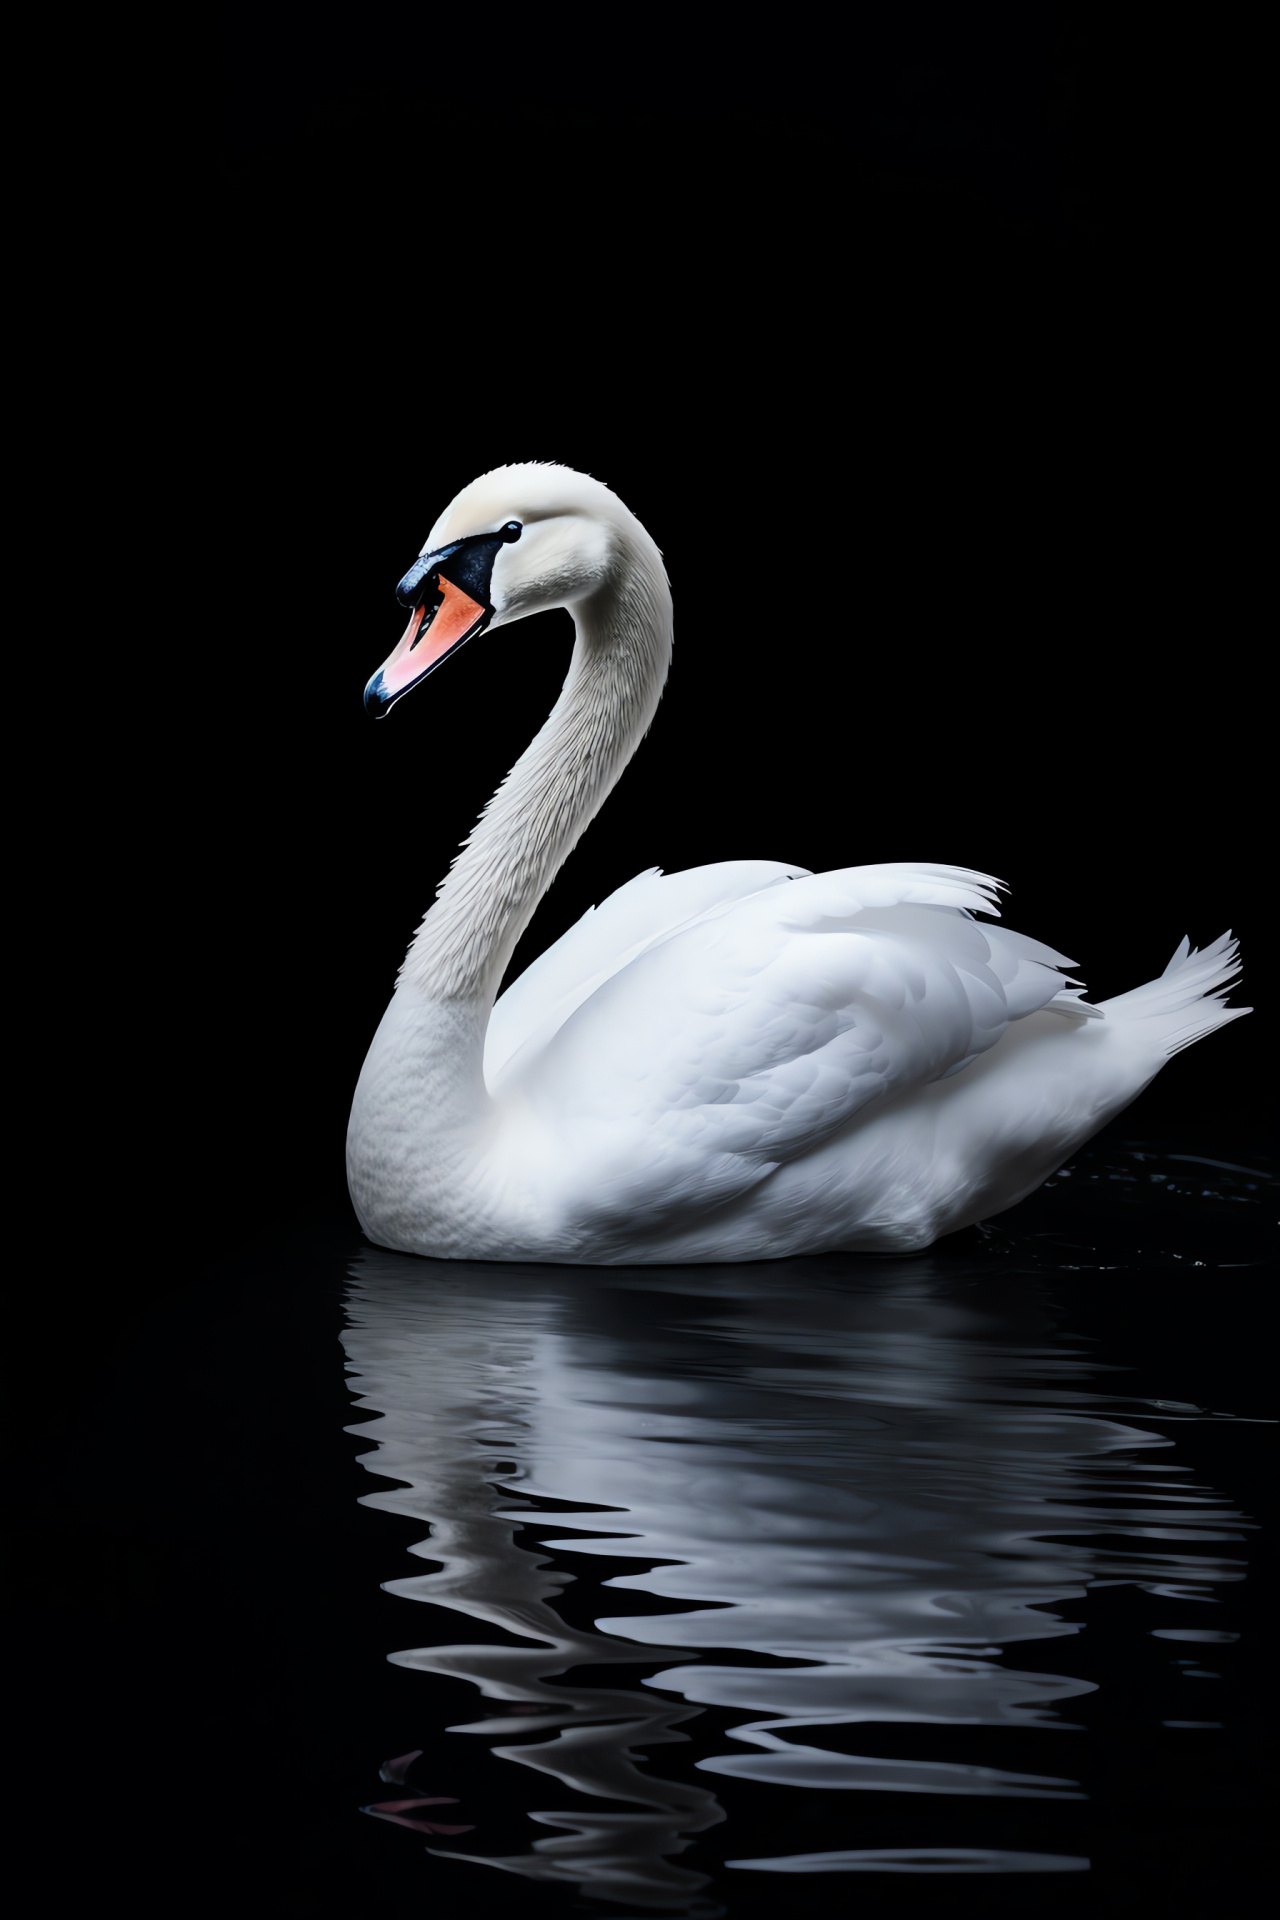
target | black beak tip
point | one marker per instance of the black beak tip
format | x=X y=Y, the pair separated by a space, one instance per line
x=376 y=700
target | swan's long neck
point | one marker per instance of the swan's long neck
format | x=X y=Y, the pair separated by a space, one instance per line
x=558 y=784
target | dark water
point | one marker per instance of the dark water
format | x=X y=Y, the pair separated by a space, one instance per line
x=793 y=1569
x=911 y=1584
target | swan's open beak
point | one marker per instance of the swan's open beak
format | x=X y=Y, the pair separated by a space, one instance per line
x=448 y=592
x=433 y=632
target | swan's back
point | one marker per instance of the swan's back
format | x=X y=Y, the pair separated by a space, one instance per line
x=644 y=911
x=700 y=1031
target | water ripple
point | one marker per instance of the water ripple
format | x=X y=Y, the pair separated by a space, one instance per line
x=870 y=1489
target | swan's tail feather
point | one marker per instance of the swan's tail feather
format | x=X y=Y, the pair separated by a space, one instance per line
x=1189 y=998
x=1071 y=1001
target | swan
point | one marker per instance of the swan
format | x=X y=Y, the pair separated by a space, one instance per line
x=744 y=1061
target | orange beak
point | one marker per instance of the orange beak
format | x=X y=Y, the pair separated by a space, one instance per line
x=450 y=596
x=426 y=640
x=429 y=636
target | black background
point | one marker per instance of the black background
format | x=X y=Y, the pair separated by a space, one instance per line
x=919 y=339
x=925 y=343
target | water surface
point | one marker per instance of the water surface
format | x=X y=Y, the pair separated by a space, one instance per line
x=902 y=1568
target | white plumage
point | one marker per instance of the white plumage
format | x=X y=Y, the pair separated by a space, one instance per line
x=742 y=1061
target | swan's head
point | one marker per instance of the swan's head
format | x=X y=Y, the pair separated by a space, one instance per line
x=514 y=542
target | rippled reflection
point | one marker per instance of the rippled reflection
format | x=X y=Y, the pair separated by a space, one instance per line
x=874 y=1483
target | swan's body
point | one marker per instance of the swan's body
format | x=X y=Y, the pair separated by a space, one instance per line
x=740 y=1062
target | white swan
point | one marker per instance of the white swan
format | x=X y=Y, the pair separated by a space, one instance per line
x=739 y=1062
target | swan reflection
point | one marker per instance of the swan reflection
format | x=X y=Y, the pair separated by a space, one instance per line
x=876 y=1481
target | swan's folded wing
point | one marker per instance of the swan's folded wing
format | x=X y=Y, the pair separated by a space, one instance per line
x=745 y=1038
x=608 y=937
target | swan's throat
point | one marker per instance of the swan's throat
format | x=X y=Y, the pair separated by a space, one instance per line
x=620 y=661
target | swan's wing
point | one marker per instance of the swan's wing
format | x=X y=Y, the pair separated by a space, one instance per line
x=743 y=1039
x=607 y=937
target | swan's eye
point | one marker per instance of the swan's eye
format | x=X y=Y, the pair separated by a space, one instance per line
x=512 y=530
